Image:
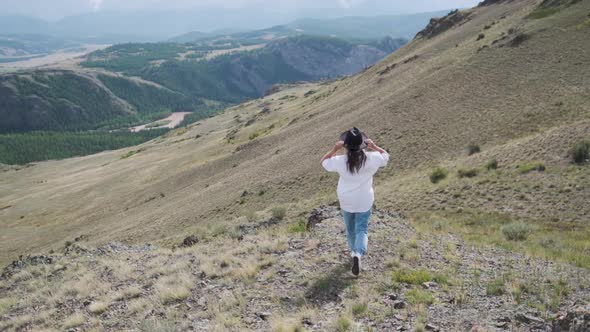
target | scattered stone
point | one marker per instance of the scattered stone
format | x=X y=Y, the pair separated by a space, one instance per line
x=528 y=319
x=429 y=284
x=430 y=327
x=263 y=315
x=190 y=241
x=575 y=320
x=317 y=215
x=23 y=262
x=392 y=296
x=399 y=304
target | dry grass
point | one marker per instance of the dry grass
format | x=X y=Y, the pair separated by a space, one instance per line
x=98 y=307
x=170 y=289
x=74 y=320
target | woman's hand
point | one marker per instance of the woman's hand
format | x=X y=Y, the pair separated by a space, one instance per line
x=339 y=145
x=371 y=145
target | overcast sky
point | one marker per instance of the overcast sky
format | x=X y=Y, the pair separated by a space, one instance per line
x=55 y=9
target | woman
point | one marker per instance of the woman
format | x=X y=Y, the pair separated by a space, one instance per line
x=355 y=186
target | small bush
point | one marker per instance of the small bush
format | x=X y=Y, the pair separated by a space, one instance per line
x=419 y=296
x=580 y=153
x=467 y=173
x=438 y=174
x=473 y=149
x=343 y=324
x=254 y=135
x=540 y=13
x=299 y=227
x=495 y=287
x=517 y=231
x=279 y=212
x=359 y=309
x=414 y=277
x=492 y=164
x=532 y=166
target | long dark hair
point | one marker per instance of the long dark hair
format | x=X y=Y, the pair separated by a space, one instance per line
x=356 y=160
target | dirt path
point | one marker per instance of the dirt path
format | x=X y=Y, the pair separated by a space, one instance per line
x=170 y=122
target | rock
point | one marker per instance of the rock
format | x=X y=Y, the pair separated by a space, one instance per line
x=399 y=304
x=263 y=315
x=392 y=296
x=430 y=327
x=429 y=284
x=317 y=215
x=190 y=241
x=575 y=320
x=438 y=25
x=528 y=319
x=306 y=322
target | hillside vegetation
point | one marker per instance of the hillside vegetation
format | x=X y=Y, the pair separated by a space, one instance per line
x=480 y=220
x=174 y=77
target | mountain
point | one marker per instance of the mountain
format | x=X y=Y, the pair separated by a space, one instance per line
x=13 y=46
x=109 y=27
x=174 y=77
x=231 y=223
x=357 y=27
x=398 y=26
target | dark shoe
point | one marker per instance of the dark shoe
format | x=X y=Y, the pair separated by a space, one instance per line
x=356 y=265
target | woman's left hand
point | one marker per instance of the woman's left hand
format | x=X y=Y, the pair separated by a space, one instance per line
x=339 y=145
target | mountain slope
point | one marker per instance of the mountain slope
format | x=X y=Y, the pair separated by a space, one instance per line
x=426 y=103
x=520 y=92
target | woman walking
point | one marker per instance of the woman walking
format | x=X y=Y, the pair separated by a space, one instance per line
x=355 y=186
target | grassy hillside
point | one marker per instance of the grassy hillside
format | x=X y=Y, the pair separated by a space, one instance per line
x=63 y=100
x=499 y=242
x=174 y=77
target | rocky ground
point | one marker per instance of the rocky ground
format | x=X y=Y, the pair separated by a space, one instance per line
x=292 y=275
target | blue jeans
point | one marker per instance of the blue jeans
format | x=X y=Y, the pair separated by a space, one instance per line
x=357 y=225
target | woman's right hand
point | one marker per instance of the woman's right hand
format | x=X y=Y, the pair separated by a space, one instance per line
x=370 y=143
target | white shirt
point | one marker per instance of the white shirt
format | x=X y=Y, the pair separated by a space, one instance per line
x=355 y=191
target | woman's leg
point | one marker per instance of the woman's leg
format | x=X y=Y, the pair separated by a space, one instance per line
x=349 y=222
x=361 y=232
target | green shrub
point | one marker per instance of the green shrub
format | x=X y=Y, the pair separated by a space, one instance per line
x=473 y=149
x=492 y=164
x=438 y=174
x=419 y=296
x=495 y=287
x=467 y=173
x=279 y=212
x=414 y=277
x=517 y=231
x=359 y=309
x=343 y=324
x=532 y=166
x=298 y=227
x=580 y=153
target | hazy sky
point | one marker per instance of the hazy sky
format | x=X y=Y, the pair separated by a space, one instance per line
x=55 y=9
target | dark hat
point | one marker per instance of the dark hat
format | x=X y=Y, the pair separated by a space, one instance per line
x=354 y=139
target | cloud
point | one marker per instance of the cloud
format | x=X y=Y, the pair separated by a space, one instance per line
x=96 y=4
